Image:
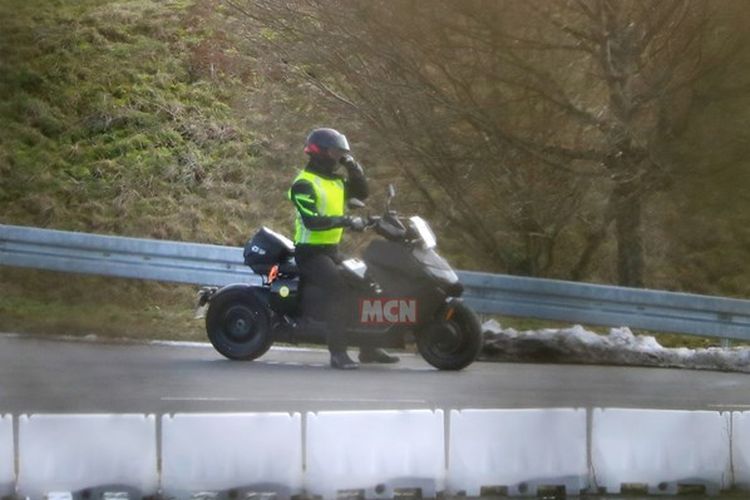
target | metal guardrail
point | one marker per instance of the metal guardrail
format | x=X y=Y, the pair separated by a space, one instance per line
x=118 y=256
x=203 y=264
x=608 y=305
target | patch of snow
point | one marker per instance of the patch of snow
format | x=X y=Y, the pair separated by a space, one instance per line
x=619 y=347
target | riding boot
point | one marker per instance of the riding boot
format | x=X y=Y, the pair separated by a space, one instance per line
x=342 y=361
x=372 y=355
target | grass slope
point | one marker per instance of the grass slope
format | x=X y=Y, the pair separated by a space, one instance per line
x=119 y=117
x=109 y=124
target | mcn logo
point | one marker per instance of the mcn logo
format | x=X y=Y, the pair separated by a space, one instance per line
x=402 y=311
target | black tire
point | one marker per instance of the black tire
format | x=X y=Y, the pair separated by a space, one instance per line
x=239 y=325
x=452 y=344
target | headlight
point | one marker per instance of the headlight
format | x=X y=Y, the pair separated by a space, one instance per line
x=448 y=275
x=424 y=232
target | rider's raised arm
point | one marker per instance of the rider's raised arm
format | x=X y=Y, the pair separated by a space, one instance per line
x=356 y=182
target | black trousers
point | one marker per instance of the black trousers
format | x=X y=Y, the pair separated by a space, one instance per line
x=324 y=291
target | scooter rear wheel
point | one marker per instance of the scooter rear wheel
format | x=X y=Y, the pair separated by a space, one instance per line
x=452 y=344
x=238 y=325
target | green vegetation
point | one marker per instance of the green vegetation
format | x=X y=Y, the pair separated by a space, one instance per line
x=32 y=303
x=137 y=118
x=115 y=120
x=111 y=126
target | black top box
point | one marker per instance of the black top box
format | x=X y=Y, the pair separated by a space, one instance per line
x=266 y=249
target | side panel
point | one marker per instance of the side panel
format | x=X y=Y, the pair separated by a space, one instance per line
x=261 y=293
x=403 y=306
x=284 y=296
x=398 y=268
x=387 y=256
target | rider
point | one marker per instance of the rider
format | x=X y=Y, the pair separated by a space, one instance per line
x=319 y=196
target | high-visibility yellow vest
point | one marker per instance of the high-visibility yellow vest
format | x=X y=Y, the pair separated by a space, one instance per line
x=329 y=194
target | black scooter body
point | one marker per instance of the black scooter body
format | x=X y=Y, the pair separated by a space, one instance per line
x=394 y=272
x=400 y=292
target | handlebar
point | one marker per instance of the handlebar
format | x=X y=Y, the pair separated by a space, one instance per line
x=388 y=226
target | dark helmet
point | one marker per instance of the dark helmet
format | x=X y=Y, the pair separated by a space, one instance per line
x=325 y=138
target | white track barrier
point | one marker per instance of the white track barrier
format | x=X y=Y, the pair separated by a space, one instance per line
x=741 y=449
x=375 y=451
x=60 y=453
x=661 y=449
x=7 y=456
x=514 y=452
x=258 y=452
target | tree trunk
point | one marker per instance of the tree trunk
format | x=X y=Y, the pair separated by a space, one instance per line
x=629 y=236
x=593 y=241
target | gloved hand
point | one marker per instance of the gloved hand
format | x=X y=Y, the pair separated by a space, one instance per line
x=350 y=163
x=356 y=223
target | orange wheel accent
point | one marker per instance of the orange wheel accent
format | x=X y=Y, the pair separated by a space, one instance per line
x=450 y=314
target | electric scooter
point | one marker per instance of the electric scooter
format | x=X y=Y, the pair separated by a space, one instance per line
x=402 y=291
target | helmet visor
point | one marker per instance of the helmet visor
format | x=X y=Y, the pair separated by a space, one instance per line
x=341 y=143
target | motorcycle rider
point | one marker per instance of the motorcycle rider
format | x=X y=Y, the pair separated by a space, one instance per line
x=319 y=195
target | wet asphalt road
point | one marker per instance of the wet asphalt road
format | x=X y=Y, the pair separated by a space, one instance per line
x=40 y=375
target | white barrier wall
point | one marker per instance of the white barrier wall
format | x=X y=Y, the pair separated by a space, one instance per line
x=72 y=452
x=661 y=449
x=518 y=450
x=375 y=451
x=7 y=456
x=494 y=452
x=741 y=449
x=261 y=452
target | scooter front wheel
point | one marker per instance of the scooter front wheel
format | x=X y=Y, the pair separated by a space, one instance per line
x=238 y=325
x=453 y=341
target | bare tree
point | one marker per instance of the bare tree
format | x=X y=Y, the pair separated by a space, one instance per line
x=518 y=121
